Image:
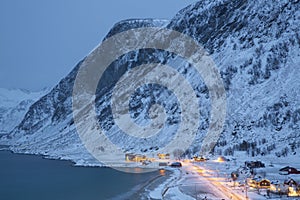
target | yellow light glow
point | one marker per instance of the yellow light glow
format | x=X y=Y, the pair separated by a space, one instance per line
x=293 y=192
x=220 y=159
x=162 y=172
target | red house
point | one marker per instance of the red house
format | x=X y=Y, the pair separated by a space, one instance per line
x=290 y=170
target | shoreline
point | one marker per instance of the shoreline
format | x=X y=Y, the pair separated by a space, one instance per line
x=154 y=188
x=141 y=191
x=117 y=166
x=72 y=163
x=137 y=185
x=137 y=192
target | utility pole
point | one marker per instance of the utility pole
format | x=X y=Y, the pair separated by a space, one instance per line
x=246 y=189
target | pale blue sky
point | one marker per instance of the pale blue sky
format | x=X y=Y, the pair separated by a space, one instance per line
x=42 y=40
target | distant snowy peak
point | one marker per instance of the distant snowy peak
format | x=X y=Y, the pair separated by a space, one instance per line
x=12 y=97
x=14 y=103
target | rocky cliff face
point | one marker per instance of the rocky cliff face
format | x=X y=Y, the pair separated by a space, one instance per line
x=255 y=45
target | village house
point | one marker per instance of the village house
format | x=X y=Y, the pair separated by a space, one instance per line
x=290 y=182
x=163 y=155
x=199 y=159
x=251 y=182
x=129 y=157
x=285 y=169
x=222 y=159
x=135 y=157
x=259 y=183
x=289 y=187
x=254 y=164
x=288 y=170
x=294 y=191
x=278 y=188
x=263 y=184
x=140 y=158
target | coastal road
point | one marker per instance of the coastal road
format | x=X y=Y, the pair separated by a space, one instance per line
x=213 y=184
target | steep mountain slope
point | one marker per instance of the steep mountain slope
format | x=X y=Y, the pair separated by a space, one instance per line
x=48 y=127
x=256 y=47
x=254 y=44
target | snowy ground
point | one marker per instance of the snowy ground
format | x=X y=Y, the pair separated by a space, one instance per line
x=211 y=179
x=184 y=183
x=220 y=173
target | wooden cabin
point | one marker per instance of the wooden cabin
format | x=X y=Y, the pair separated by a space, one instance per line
x=289 y=170
x=264 y=184
x=259 y=183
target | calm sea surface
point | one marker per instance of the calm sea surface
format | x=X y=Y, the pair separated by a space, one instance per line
x=34 y=178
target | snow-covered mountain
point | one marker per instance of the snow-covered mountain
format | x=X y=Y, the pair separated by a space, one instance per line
x=255 y=45
x=14 y=103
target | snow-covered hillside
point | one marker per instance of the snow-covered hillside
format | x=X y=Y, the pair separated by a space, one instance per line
x=255 y=44
x=14 y=103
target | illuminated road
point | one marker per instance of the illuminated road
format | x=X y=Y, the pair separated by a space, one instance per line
x=216 y=182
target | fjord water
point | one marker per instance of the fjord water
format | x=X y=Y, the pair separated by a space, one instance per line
x=32 y=177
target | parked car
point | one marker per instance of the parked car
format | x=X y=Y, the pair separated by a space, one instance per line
x=176 y=164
